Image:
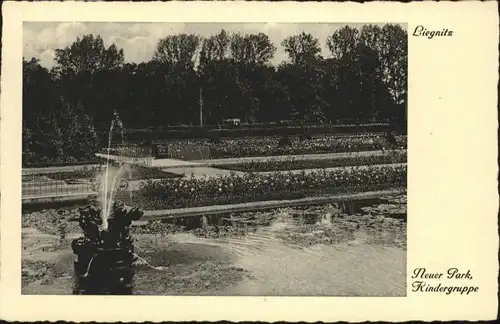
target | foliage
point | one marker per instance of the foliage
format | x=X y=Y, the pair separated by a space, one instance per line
x=297 y=164
x=363 y=79
x=65 y=136
x=302 y=48
x=183 y=193
x=137 y=172
x=209 y=132
x=177 y=49
x=87 y=55
x=273 y=146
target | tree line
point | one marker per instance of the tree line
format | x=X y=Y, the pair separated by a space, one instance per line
x=363 y=79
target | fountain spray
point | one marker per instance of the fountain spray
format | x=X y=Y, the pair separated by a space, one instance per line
x=105 y=252
x=107 y=193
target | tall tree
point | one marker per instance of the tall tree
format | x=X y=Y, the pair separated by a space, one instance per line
x=40 y=95
x=343 y=44
x=177 y=50
x=176 y=56
x=87 y=73
x=302 y=48
x=370 y=35
x=252 y=48
x=362 y=92
x=250 y=55
x=215 y=48
x=394 y=60
x=53 y=129
x=88 y=54
x=303 y=77
x=216 y=77
x=364 y=77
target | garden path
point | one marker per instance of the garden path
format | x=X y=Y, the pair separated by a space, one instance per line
x=200 y=172
x=318 y=156
x=173 y=163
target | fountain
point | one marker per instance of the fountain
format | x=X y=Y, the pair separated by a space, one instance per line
x=105 y=257
x=105 y=253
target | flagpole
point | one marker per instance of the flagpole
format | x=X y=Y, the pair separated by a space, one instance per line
x=201 y=107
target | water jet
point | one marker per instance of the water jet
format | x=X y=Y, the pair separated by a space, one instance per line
x=105 y=253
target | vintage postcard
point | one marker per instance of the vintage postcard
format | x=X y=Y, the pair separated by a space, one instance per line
x=249 y=161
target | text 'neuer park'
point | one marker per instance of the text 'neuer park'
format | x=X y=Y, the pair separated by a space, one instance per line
x=424 y=32
x=451 y=273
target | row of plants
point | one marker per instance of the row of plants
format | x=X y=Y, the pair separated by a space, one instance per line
x=349 y=123
x=272 y=146
x=221 y=147
x=241 y=147
x=33 y=160
x=155 y=134
x=137 y=172
x=298 y=164
x=303 y=125
x=184 y=193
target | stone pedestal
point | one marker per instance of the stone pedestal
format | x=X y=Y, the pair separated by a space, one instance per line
x=104 y=257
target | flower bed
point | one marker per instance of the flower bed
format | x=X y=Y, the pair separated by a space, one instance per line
x=138 y=172
x=270 y=146
x=38 y=161
x=296 y=164
x=184 y=193
x=197 y=132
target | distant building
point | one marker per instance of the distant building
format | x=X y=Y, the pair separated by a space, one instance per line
x=231 y=122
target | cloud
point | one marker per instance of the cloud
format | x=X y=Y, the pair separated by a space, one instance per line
x=138 y=40
x=136 y=49
x=42 y=39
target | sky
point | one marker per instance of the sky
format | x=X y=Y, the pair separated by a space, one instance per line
x=138 y=40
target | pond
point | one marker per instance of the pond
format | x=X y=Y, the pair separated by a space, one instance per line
x=350 y=249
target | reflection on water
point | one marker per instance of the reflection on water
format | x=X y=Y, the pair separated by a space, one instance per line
x=349 y=249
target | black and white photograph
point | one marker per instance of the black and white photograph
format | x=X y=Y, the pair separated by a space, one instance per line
x=249 y=161
x=224 y=159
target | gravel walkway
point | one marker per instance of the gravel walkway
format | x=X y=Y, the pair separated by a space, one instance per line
x=319 y=156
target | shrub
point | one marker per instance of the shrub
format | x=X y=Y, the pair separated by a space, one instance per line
x=270 y=146
x=182 y=193
x=197 y=132
x=295 y=164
